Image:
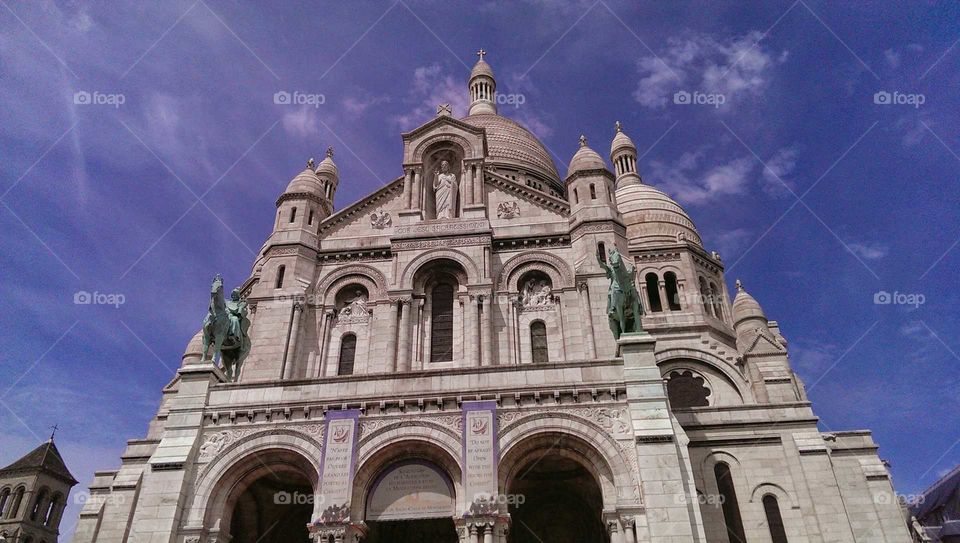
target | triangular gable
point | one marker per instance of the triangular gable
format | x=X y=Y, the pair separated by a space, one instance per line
x=357 y=216
x=554 y=205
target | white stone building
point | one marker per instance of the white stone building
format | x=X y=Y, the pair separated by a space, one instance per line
x=405 y=366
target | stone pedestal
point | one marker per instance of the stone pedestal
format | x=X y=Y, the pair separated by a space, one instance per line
x=670 y=498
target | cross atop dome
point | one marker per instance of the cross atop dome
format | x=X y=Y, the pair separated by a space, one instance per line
x=583 y=140
x=481 y=52
x=483 y=87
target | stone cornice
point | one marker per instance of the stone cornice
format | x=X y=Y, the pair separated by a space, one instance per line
x=350 y=211
x=543 y=200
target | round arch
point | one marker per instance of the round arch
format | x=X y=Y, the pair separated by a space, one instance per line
x=778 y=491
x=447 y=139
x=693 y=358
x=424 y=259
x=558 y=270
x=371 y=278
x=218 y=480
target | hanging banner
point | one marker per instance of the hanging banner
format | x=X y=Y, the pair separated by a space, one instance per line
x=479 y=456
x=338 y=465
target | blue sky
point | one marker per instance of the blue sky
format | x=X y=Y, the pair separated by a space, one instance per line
x=816 y=196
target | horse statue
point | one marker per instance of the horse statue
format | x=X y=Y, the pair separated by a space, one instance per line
x=623 y=301
x=225 y=329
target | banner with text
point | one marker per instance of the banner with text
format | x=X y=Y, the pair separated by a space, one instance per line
x=479 y=456
x=338 y=464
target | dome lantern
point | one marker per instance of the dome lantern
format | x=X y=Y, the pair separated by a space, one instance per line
x=623 y=154
x=483 y=87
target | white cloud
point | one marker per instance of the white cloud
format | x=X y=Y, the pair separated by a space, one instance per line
x=358 y=105
x=430 y=88
x=869 y=251
x=689 y=182
x=732 y=242
x=892 y=57
x=301 y=122
x=736 y=67
x=775 y=176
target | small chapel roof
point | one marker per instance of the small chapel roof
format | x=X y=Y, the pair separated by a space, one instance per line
x=46 y=458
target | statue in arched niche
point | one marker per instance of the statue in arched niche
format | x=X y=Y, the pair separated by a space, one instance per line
x=445 y=188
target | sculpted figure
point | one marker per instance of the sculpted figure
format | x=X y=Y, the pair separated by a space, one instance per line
x=357 y=306
x=445 y=191
x=225 y=329
x=623 y=301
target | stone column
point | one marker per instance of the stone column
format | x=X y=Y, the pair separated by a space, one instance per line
x=474 y=536
x=467 y=191
x=417 y=357
x=587 y=313
x=488 y=533
x=427 y=330
x=416 y=196
x=391 y=339
x=407 y=188
x=478 y=184
x=288 y=358
x=508 y=323
x=613 y=530
x=664 y=302
x=629 y=529
x=485 y=332
x=403 y=344
x=560 y=307
x=323 y=343
x=470 y=331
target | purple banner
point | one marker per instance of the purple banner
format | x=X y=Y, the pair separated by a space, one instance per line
x=338 y=465
x=479 y=455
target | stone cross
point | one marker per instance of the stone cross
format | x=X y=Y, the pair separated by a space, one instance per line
x=583 y=140
x=444 y=110
x=480 y=53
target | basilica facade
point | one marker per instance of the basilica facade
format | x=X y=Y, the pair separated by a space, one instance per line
x=436 y=363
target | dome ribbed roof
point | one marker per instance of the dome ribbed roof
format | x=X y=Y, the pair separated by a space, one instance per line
x=327 y=165
x=481 y=68
x=621 y=139
x=511 y=143
x=305 y=181
x=653 y=218
x=194 y=351
x=745 y=307
x=585 y=159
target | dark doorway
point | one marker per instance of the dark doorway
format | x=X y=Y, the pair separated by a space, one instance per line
x=276 y=508
x=435 y=530
x=561 y=503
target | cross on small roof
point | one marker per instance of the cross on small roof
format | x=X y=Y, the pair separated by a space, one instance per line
x=310 y=163
x=54 y=429
x=583 y=140
x=619 y=126
x=480 y=53
x=330 y=152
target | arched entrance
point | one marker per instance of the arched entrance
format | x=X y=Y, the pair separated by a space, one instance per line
x=411 y=501
x=272 y=499
x=553 y=494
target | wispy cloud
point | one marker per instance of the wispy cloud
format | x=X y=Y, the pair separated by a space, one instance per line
x=869 y=251
x=432 y=86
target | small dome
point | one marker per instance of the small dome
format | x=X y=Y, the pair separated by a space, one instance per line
x=481 y=68
x=621 y=140
x=746 y=307
x=194 y=350
x=653 y=218
x=305 y=181
x=327 y=165
x=585 y=159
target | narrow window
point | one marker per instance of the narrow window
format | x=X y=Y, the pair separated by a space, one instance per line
x=593 y=192
x=4 y=498
x=280 y=272
x=731 y=509
x=673 y=296
x=602 y=250
x=653 y=292
x=310 y=218
x=38 y=505
x=715 y=299
x=15 y=506
x=774 y=520
x=705 y=298
x=293 y=214
x=576 y=196
x=51 y=510
x=348 y=352
x=441 y=337
x=538 y=342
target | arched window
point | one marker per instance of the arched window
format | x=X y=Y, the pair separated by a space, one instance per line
x=673 y=295
x=728 y=500
x=280 y=271
x=593 y=192
x=348 y=352
x=705 y=298
x=293 y=214
x=602 y=249
x=772 y=509
x=51 y=512
x=15 y=505
x=653 y=292
x=538 y=342
x=441 y=335
x=4 y=500
x=715 y=300
x=38 y=504
x=310 y=218
x=684 y=389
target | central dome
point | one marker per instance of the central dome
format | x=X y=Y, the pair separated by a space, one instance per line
x=510 y=143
